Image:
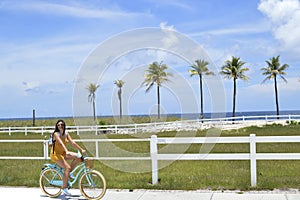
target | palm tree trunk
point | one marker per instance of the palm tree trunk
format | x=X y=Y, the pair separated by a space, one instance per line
x=276 y=96
x=158 y=102
x=201 y=97
x=234 y=98
x=120 y=107
x=94 y=110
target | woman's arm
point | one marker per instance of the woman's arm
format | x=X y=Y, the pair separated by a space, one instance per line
x=74 y=144
x=57 y=139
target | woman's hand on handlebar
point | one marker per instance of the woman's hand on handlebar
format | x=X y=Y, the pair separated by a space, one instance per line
x=83 y=151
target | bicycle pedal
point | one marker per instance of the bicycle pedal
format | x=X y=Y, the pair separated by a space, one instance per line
x=71 y=175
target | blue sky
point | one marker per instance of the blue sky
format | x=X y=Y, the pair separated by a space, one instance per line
x=45 y=43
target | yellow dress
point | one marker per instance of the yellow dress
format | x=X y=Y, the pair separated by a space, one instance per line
x=58 y=153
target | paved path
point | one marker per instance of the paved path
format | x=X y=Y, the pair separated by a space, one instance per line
x=36 y=194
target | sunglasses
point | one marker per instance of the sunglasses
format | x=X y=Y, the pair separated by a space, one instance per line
x=60 y=125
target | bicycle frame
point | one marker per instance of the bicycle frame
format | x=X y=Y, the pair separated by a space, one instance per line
x=78 y=170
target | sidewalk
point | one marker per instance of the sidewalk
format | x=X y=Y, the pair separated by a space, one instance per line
x=36 y=194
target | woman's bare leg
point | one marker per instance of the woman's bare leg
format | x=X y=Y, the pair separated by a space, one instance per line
x=75 y=162
x=63 y=163
x=73 y=156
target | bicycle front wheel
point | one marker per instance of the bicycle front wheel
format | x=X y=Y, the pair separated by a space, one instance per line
x=92 y=185
x=51 y=182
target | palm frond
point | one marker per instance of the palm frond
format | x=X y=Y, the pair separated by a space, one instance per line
x=156 y=74
x=283 y=78
x=119 y=83
x=200 y=67
x=265 y=79
x=273 y=68
x=234 y=69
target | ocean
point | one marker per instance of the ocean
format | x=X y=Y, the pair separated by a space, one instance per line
x=259 y=114
x=192 y=116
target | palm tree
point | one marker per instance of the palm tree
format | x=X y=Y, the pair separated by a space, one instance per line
x=156 y=74
x=91 y=98
x=200 y=68
x=120 y=84
x=273 y=70
x=234 y=69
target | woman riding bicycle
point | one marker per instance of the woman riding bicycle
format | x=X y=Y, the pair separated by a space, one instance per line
x=60 y=154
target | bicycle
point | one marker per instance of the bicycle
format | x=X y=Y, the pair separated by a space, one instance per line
x=92 y=184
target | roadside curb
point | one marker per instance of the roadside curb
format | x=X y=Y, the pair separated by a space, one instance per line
x=143 y=194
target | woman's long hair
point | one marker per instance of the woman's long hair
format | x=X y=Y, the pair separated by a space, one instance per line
x=56 y=127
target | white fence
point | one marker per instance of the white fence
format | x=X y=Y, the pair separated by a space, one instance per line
x=253 y=156
x=45 y=155
x=185 y=125
x=155 y=156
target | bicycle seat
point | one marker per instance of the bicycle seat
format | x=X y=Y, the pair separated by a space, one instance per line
x=52 y=166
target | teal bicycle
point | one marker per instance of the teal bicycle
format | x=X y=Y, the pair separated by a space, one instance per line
x=92 y=184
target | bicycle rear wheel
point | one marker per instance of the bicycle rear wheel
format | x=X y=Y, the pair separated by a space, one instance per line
x=92 y=185
x=51 y=182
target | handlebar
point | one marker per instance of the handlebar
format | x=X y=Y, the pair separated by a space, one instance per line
x=79 y=155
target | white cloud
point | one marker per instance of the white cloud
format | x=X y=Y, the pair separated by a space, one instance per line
x=35 y=80
x=284 y=16
x=163 y=25
x=50 y=49
x=250 y=29
x=262 y=96
x=279 y=11
x=31 y=87
x=292 y=85
x=291 y=88
x=174 y=3
x=75 y=10
x=51 y=61
x=219 y=56
x=170 y=38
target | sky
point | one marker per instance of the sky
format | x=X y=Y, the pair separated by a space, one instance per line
x=46 y=45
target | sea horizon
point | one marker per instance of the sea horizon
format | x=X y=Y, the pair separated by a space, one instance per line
x=190 y=116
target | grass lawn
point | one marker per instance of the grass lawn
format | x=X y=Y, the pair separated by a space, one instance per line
x=179 y=175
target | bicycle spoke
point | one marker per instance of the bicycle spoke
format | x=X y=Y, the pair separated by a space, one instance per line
x=93 y=185
x=50 y=182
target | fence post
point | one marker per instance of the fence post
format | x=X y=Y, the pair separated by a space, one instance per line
x=46 y=149
x=253 y=160
x=153 y=155
x=9 y=131
x=42 y=130
x=97 y=150
x=135 y=128
x=77 y=130
x=26 y=130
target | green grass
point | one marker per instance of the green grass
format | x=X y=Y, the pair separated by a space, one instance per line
x=185 y=175
x=71 y=122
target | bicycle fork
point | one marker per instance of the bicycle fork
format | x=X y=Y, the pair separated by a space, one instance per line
x=90 y=179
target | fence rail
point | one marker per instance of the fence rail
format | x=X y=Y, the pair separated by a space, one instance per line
x=187 y=125
x=155 y=156
x=45 y=155
x=253 y=156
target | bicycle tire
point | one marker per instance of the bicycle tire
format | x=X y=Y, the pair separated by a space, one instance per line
x=92 y=185
x=47 y=187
